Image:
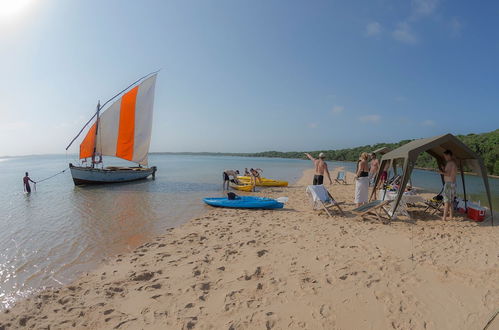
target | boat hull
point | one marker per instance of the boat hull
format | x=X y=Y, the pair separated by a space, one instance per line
x=245 y=202
x=88 y=175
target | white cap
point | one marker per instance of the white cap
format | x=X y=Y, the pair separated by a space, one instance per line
x=321 y=155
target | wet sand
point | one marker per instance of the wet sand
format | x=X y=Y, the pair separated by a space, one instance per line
x=292 y=268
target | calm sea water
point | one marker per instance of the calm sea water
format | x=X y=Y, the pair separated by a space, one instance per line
x=51 y=236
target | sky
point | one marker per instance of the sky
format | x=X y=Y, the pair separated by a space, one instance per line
x=246 y=76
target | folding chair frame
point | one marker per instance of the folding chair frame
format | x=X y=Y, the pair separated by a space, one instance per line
x=326 y=207
x=341 y=181
x=379 y=211
x=435 y=206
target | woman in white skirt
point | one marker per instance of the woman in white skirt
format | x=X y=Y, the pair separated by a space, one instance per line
x=362 y=180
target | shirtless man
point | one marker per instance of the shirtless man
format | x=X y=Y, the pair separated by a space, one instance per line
x=320 y=167
x=26 y=180
x=226 y=176
x=373 y=169
x=449 y=192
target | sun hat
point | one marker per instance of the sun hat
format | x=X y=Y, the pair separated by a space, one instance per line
x=321 y=155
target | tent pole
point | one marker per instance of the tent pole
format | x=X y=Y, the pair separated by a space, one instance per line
x=464 y=185
x=406 y=174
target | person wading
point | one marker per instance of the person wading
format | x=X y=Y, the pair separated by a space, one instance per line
x=320 y=168
x=26 y=180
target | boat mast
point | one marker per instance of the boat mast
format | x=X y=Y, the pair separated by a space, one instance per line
x=96 y=130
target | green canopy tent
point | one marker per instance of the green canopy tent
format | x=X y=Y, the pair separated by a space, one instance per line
x=407 y=155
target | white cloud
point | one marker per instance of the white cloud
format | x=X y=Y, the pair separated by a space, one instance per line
x=370 y=118
x=424 y=7
x=428 y=123
x=373 y=29
x=337 y=109
x=312 y=125
x=455 y=26
x=403 y=33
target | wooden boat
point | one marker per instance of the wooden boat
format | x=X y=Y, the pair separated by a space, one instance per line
x=123 y=130
x=89 y=175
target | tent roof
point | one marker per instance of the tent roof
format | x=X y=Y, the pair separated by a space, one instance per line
x=435 y=146
x=382 y=150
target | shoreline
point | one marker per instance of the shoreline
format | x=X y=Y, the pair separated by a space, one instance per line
x=285 y=269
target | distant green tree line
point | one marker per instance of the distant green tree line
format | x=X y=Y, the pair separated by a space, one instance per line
x=485 y=144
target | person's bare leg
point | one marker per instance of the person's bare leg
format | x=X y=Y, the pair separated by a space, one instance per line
x=451 y=211
x=446 y=206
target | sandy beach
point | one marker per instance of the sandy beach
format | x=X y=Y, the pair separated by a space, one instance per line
x=293 y=268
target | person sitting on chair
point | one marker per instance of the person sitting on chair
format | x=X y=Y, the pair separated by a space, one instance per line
x=449 y=172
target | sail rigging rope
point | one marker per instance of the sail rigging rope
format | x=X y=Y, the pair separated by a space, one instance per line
x=105 y=103
x=50 y=177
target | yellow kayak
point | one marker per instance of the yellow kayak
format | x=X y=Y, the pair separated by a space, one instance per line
x=242 y=187
x=264 y=182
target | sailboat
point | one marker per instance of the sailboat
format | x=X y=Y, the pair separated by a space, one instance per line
x=123 y=130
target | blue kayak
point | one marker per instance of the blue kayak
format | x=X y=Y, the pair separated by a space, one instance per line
x=245 y=202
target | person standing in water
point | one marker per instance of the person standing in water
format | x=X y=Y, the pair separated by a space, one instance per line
x=449 y=193
x=26 y=180
x=320 y=168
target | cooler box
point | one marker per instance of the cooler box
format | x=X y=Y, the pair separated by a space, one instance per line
x=476 y=212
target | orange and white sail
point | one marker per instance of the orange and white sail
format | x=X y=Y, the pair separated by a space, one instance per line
x=124 y=129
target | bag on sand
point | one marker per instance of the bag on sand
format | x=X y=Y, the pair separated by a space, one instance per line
x=231 y=196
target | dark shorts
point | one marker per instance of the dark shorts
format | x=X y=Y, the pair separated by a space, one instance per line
x=28 y=188
x=318 y=180
x=226 y=177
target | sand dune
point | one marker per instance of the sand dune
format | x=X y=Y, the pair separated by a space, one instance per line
x=294 y=268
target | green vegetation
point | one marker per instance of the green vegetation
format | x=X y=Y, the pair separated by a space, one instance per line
x=485 y=144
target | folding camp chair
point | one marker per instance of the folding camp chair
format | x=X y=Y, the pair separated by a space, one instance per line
x=434 y=205
x=394 y=181
x=322 y=198
x=341 y=177
x=376 y=208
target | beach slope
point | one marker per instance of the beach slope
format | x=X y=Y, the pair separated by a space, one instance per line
x=292 y=268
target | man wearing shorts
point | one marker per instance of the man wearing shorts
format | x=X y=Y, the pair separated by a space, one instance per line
x=449 y=192
x=320 y=167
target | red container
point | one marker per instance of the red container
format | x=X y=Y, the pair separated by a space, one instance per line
x=476 y=213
